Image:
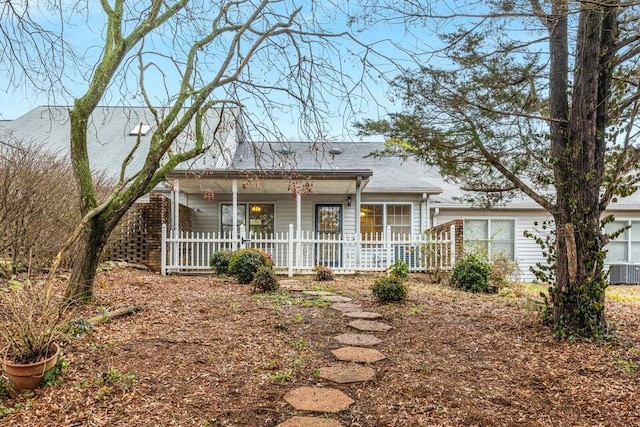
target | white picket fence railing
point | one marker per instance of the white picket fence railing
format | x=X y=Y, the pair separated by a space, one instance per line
x=298 y=252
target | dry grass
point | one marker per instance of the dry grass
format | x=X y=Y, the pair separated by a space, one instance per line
x=207 y=352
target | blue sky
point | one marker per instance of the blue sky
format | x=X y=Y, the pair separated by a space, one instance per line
x=370 y=100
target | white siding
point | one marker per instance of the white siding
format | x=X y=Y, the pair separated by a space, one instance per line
x=206 y=212
x=527 y=251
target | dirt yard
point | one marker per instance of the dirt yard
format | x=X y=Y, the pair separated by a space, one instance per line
x=206 y=352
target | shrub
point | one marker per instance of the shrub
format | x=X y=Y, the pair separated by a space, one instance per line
x=399 y=269
x=323 y=273
x=471 y=273
x=246 y=262
x=220 y=261
x=504 y=277
x=389 y=289
x=264 y=280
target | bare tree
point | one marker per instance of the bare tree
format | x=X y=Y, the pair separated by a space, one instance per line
x=36 y=189
x=189 y=62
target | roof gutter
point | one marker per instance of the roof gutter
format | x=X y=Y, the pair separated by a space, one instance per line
x=334 y=174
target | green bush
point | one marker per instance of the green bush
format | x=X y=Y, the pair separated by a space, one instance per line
x=399 y=269
x=220 y=261
x=389 y=289
x=472 y=273
x=246 y=262
x=264 y=280
x=323 y=273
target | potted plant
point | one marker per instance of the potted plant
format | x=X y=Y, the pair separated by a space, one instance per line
x=32 y=320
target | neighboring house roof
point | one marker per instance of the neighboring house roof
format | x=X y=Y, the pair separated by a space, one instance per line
x=109 y=134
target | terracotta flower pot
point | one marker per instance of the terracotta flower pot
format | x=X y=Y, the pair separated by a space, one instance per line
x=29 y=376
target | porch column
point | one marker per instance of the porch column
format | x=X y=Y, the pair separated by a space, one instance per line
x=175 y=222
x=424 y=214
x=357 y=214
x=358 y=202
x=298 y=261
x=234 y=209
x=428 y=208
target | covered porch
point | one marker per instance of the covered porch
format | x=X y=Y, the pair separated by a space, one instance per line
x=302 y=220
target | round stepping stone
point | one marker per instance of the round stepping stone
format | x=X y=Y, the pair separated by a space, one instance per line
x=336 y=298
x=318 y=399
x=363 y=315
x=318 y=293
x=345 y=306
x=309 y=422
x=358 y=339
x=369 y=325
x=347 y=374
x=358 y=354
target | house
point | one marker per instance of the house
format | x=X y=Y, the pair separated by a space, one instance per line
x=306 y=203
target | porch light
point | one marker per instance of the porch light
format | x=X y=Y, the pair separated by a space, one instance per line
x=349 y=201
x=256 y=208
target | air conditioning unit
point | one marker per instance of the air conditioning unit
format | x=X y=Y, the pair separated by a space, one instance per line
x=624 y=274
x=409 y=254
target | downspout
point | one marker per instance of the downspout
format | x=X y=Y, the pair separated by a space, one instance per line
x=175 y=222
x=357 y=214
x=234 y=207
x=358 y=202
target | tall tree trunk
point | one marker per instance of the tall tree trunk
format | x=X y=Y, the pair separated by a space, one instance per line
x=85 y=261
x=578 y=296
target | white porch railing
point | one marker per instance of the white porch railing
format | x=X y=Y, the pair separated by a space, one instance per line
x=299 y=254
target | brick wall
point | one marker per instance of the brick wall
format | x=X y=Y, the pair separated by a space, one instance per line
x=445 y=228
x=138 y=237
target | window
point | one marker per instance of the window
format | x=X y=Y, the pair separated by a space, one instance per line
x=259 y=216
x=625 y=247
x=375 y=218
x=490 y=236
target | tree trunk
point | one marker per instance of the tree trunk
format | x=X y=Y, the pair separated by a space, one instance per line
x=578 y=296
x=85 y=262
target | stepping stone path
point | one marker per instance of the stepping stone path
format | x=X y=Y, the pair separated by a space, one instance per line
x=358 y=354
x=318 y=399
x=336 y=298
x=331 y=400
x=292 y=285
x=345 y=306
x=346 y=374
x=318 y=293
x=358 y=339
x=363 y=315
x=309 y=422
x=368 y=325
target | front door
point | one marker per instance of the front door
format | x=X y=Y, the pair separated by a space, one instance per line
x=329 y=227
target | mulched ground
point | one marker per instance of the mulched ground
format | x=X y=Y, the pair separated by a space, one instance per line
x=206 y=352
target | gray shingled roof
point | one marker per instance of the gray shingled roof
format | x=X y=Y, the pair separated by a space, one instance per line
x=390 y=174
x=108 y=133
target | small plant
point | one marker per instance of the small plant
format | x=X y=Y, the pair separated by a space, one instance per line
x=264 y=280
x=472 y=273
x=124 y=380
x=282 y=376
x=35 y=317
x=389 y=289
x=503 y=276
x=4 y=389
x=220 y=261
x=399 y=269
x=246 y=262
x=323 y=273
x=53 y=377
